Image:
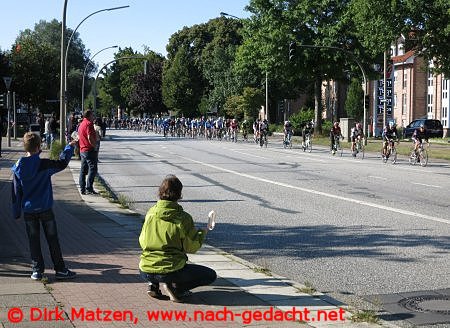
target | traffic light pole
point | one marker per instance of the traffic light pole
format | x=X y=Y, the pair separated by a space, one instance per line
x=8 y=107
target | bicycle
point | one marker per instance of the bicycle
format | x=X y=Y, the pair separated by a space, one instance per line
x=287 y=141
x=359 y=148
x=307 y=145
x=391 y=151
x=337 y=147
x=263 y=139
x=421 y=156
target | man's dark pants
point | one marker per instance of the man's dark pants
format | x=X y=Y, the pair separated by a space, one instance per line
x=187 y=278
x=89 y=167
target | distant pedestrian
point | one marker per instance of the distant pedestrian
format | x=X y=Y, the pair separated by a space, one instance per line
x=33 y=194
x=98 y=131
x=88 y=141
x=47 y=134
x=53 y=128
x=167 y=235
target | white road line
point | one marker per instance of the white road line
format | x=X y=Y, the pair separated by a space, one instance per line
x=375 y=177
x=154 y=155
x=426 y=185
x=320 y=193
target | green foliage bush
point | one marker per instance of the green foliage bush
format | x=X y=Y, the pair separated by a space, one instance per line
x=326 y=127
x=300 y=118
x=56 y=149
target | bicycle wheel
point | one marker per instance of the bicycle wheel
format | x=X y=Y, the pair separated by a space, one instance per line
x=412 y=158
x=265 y=141
x=309 y=145
x=362 y=150
x=423 y=156
x=394 y=156
x=340 y=149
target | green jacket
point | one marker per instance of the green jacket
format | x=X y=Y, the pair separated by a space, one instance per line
x=167 y=235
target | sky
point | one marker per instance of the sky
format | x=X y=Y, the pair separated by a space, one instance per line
x=145 y=22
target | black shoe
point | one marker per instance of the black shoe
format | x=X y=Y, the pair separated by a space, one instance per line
x=65 y=274
x=154 y=291
x=83 y=192
x=92 y=192
x=169 y=290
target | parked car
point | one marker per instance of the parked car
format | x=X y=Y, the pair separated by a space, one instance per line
x=433 y=127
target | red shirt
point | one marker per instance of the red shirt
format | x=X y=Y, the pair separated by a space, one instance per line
x=86 y=128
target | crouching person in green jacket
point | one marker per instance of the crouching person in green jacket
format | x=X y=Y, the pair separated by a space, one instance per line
x=167 y=235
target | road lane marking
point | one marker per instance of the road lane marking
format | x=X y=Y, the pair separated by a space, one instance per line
x=321 y=193
x=375 y=177
x=154 y=155
x=426 y=185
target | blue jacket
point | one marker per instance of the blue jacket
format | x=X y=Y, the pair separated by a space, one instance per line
x=32 y=186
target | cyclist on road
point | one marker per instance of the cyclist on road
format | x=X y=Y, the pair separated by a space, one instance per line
x=308 y=129
x=288 y=131
x=418 y=136
x=389 y=133
x=356 y=134
x=335 y=132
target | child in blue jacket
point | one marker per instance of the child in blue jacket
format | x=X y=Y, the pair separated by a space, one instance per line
x=33 y=194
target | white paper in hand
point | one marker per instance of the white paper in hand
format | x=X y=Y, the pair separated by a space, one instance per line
x=74 y=135
x=212 y=220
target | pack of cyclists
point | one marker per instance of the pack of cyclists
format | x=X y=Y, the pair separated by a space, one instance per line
x=221 y=128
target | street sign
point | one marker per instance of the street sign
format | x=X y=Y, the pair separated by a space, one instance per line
x=7 y=80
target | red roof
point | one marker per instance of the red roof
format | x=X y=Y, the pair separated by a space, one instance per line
x=403 y=58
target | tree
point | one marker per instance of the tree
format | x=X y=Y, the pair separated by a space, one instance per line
x=209 y=52
x=35 y=59
x=424 y=23
x=179 y=91
x=321 y=23
x=146 y=96
x=354 y=105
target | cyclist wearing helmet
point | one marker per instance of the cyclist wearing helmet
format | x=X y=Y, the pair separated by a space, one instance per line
x=308 y=129
x=389 y=133
x=287 y=130
x=335 y=132
x=418 y=136
x=356 y=134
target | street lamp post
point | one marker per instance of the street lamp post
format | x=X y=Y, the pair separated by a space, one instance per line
x=63 y=97
x=266 y=109
x=363 y=73
x=84 y=74
x=225 y=14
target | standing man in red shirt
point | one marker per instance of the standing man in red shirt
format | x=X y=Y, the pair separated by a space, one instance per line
x=87 y=139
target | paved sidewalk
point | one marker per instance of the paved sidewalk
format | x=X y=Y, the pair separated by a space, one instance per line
x=100 y=243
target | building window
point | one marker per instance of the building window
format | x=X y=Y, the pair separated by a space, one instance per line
x=444 y=88
x=430 y=79
x=403 y=104
x=429 y=103
x=405 y=80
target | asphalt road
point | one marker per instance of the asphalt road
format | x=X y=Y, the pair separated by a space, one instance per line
x=346 y=225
